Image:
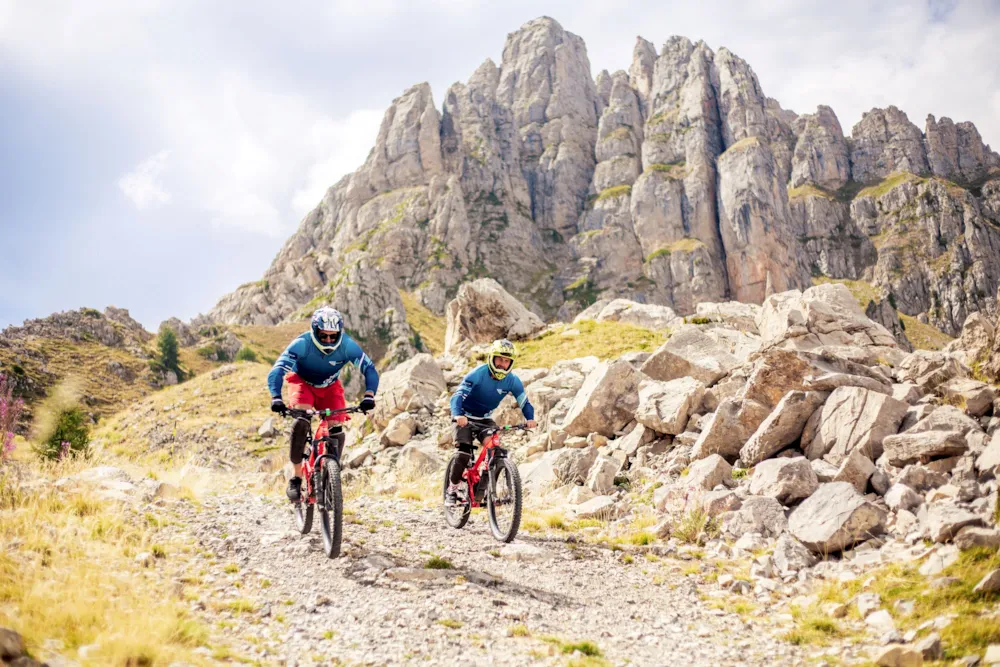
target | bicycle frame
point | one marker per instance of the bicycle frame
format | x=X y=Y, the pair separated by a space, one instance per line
x=316 y=449
x=473 y=475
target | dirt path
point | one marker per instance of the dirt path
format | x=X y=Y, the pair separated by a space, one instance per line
x=274 y=597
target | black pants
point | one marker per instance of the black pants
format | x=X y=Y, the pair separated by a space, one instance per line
x=464 y=436
x=300 y=434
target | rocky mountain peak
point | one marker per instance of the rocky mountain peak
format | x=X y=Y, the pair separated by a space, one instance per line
x=675 y=182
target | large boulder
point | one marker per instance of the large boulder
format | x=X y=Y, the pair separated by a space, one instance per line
x=790 y=555
x=665 y=406
x=944 y=520
x=708 y=473
x=824 y=315
x=782 y=427
x=776 y=371
x=835 y=517
x=929 y=369
x=572 y=466
x=484 y=311
x=973 y=344
x=853 y=418
x=785 y=479
x=691 y=352
x=414 y=384
x=942 y=433
x=973 y=396
x=420 y=457
x=758 y=514
x=989 y=461
x=606 y=401
x=648 y=316
x=728 y=428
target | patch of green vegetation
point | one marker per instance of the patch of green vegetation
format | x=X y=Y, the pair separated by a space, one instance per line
x=923 y=336
x=814 y=630
x=605 y=340
x=71 y=436
x=808 y=190
x=891 y=181
x=450 y=623
x=438 y=563
x=743 y=144
x=696 y=526
x=246 y=353
x=686 y=244
x=582 y=291
x=675 y=170
x=663 y=116
x=619 y=134
x=617 y=191
x=971 y=628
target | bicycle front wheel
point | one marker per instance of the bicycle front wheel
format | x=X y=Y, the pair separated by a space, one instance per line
x=503 y=500
x=331 y=507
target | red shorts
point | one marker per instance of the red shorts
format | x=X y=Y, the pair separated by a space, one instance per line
x=319 y=398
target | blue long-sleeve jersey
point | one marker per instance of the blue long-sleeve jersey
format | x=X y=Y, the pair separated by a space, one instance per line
x=303 y=358
x=479 y=394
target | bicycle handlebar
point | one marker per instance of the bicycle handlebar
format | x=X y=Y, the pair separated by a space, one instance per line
x=292 y=412
x=491 y=429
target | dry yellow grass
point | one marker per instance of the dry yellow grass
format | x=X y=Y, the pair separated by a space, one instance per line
x=430 y=327
x=68 y=573
x=605 y=340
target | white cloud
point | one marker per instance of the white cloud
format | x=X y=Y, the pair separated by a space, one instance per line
x=142 y=185
x=337 y=145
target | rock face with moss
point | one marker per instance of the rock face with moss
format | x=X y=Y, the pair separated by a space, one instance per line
x=675 y=183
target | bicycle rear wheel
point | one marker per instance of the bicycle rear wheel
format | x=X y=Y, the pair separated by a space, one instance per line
x=503 y=499
x=331 y=507
x=456 y=515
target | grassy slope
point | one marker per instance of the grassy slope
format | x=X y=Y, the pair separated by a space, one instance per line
x=605 y=340
x=970 y=631
x=232 y=406
x=68 y=573
x=86 y=366
x=923 y=336
x=429 y=326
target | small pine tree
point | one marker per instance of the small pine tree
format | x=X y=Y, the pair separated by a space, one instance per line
x=70 y=437
x=167 y=344
x=246 y=354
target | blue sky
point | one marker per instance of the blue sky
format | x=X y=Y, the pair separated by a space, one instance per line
x=156 y=153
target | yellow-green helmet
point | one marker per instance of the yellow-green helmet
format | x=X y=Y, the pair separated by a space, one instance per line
x=501 y=348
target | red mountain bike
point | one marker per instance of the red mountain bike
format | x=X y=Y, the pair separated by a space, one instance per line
x=321 y=480
x=501 y=486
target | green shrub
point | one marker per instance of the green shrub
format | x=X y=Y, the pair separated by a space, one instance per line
x=71 y=428
x=168 y=357
x=246 y=354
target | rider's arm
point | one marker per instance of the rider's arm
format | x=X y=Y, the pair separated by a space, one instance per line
x=458 y=398
x=358 y=357
x=517 y=391
x=286 y=363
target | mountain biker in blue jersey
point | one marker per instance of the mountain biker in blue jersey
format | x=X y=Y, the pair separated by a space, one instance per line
x=478 y=396
x=311 y=366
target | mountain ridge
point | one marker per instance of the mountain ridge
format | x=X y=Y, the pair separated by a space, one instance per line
x=676 y=182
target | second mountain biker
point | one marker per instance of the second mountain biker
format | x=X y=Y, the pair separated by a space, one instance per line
x=478 y=396
x=313 y=362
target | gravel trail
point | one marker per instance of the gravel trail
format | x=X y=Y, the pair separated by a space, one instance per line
x=277 y=599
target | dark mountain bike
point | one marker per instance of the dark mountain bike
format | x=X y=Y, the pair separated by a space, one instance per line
x=493 y=478
x=321 y=481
